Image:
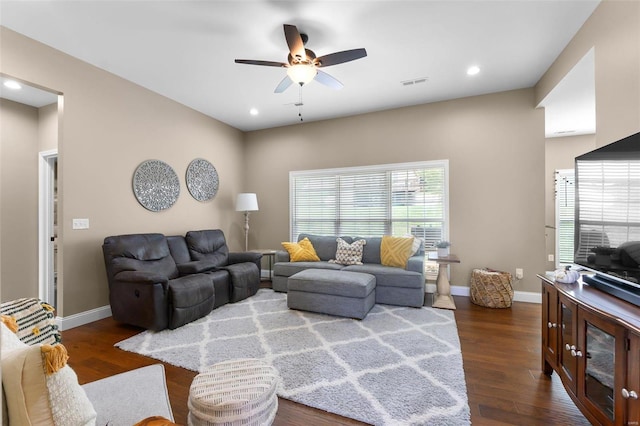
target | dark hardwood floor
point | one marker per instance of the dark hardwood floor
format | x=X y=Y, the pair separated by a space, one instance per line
x=500 y=351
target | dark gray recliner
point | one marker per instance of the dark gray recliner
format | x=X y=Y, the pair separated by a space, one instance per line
x=146 y=288
x=210 y=247
x=157 y=282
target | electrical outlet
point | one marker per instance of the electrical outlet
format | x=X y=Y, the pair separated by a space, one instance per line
x=519 y=273
x=80 y=224
x=551 y=258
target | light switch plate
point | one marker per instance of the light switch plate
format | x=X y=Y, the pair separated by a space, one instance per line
x=80 y=224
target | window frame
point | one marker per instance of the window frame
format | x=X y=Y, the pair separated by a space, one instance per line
x=563 y=174
x=382 y=168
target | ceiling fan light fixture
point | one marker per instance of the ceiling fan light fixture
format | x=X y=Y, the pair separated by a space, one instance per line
x=301 y=73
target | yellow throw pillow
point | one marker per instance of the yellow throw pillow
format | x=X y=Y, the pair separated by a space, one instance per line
x=395 y=251
x=301 y=251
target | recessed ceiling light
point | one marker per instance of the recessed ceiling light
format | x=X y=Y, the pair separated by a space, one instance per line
x=12 y=85
x=473 y=70
x=253 y=111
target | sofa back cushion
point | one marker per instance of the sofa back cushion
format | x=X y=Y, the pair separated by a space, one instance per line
x=324 y=245
x=178 y=248
x=371 y=252
x=138 y=252
x=209 y=245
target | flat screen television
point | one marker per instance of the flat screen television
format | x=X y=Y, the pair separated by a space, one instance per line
x=607 y=219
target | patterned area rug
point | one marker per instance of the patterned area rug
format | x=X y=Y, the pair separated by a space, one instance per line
x=398 y=366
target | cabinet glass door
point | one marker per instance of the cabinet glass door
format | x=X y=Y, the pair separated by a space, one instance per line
x=600 y=369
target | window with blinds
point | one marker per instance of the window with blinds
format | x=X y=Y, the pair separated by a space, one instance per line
x=565 y=215
x=609 y=204
x=393 y=199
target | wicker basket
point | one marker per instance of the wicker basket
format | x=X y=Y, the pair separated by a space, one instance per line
x=491 y=289
x=239 y=392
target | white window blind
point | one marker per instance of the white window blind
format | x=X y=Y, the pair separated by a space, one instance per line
x=609 y=200
x=565 y=215
x=392 y=199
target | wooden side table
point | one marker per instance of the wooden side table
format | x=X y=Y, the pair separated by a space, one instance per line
x=443 y=287
x=270 y=254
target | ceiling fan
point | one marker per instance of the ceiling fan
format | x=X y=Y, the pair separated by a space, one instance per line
x=303 y=65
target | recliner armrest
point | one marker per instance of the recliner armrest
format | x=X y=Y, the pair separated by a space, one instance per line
x=195 y=267
x=245 y=256
x=140 y=277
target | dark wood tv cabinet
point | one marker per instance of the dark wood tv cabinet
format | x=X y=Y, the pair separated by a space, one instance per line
x=592 y=340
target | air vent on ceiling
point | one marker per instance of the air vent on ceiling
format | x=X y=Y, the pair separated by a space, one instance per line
x=414 y=81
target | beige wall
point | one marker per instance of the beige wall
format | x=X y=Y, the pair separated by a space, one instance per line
x=19 y=200
x=48 y=127
x=614 y=30
x=560 y=153
x=495 y=148
x=108 y=127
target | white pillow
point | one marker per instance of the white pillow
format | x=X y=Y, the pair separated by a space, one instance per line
x=417 y=243
x=9 y=341
x=33 y=397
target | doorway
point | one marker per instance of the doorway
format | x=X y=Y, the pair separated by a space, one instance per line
x=48 y=227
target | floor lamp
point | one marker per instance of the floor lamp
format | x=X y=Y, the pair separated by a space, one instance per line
x=246 y=203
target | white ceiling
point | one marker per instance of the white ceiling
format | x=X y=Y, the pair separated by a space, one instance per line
x=26 y=94
x=185 y=50
x=570 y=108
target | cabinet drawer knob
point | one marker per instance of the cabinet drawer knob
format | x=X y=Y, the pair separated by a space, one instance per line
x=570 y=347
x=552 y=325
x=629 y=394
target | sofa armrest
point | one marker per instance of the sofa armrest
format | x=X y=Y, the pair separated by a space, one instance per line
x=141 y=277
x=195 y=267
x=282 y=256
x=416 y=263
x=245 y=256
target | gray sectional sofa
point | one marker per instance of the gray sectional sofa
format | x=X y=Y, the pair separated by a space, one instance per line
x=393 y=285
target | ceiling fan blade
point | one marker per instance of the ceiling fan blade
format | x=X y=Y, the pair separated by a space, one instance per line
x=340 y=57
x=294 y=41
x=284 y=85
x=327 y=80
x=263 y=63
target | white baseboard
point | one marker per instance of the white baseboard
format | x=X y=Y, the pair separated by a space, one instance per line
x=76 y=320
x=518 y=296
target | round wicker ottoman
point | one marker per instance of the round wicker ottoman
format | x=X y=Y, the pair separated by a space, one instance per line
x=491 y=289
x=238 y=392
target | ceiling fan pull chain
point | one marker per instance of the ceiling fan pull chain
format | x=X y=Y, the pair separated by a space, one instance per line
x=300 y=104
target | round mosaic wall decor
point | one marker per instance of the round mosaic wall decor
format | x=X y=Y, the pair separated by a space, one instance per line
x=202 y=180
x=156 y=185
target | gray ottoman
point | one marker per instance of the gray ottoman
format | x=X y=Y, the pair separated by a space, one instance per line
x=342 y=293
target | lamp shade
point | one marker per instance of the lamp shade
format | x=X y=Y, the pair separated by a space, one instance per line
x=301 y=73
x=246 y=202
